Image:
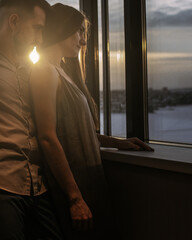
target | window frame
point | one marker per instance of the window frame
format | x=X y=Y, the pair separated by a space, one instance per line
x=135 y=51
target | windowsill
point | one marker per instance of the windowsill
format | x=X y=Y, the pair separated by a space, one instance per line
x=176 y=159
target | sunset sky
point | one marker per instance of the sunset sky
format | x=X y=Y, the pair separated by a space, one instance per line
x=169 y=38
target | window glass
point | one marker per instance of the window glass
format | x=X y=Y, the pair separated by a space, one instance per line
x=73 y=3
x=100 y=68
x=169 y=58
x=117 y=67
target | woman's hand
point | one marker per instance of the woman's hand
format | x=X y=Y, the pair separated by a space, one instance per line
x=123 y=144
x=81 y=215
x=132 y=144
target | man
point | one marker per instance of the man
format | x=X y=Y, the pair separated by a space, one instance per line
x=25 y=209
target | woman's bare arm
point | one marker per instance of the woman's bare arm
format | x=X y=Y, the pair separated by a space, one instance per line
x=44 y=82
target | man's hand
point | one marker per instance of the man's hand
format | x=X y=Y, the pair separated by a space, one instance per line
x=133 y=144
x=81 y=215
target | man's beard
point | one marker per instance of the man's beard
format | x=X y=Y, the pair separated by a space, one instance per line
x=21 y=48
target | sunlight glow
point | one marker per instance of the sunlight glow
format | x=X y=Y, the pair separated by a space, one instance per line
x=118 y=56
x=34 y=56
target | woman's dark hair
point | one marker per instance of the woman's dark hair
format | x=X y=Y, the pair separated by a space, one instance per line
x=71 y=66
x=63 y=23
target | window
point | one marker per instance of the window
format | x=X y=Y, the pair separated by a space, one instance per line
x=100 y=49
x=113 y=49
x=149 y=53
x=117 y=67
x=169 y=58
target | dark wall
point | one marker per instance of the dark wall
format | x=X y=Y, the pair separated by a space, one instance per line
x=151 y=204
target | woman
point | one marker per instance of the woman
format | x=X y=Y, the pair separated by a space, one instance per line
x=76 y=70
x=66 y=121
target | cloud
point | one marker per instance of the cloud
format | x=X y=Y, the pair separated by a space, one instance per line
x=164 y=16
x=159 y=18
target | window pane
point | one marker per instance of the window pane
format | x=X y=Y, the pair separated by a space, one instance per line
x=117 y=67
x=169 y=37
x=73 y=3
x=100 y=68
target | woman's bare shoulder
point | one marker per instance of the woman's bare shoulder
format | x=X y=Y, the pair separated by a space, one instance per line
x=44 y=73
x=42 y=68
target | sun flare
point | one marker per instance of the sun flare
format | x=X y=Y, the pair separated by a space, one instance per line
x=34 y=56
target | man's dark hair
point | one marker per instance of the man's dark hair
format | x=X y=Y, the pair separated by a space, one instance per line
x=27 y=5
